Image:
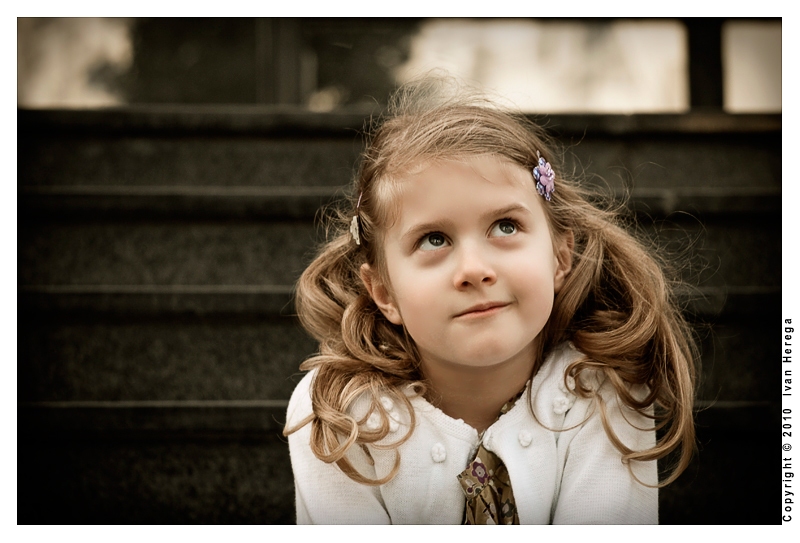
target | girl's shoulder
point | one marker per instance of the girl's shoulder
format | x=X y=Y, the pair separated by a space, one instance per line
x=553 y=389
x=552 y=376
x=554 y=366
x=300 y=406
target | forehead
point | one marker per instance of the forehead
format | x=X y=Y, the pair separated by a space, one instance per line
x=451 y=193
x=463 y=185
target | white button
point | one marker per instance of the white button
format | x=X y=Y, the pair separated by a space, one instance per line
x=393 y=425
x=569 y=387
x=373 y=422
x=387 y=403
x=438 y=453
x=525 y=438
x=561 y=405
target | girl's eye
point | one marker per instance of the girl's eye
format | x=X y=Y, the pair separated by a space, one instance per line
x=431 y=242
x=504 y=228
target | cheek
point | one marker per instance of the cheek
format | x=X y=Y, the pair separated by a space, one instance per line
x=535 y=290
x=411 y=289
x=415 y=293
x=535 y=268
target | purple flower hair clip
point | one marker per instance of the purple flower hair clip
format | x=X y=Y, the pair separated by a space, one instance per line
x=545 y=177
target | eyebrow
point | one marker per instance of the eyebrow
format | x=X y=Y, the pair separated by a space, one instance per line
x=421 y=228
x=504 y=210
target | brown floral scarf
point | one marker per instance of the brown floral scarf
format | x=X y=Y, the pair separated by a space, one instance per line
x=487 y=486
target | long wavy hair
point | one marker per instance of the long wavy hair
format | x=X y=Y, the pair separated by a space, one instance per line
x=617 y=305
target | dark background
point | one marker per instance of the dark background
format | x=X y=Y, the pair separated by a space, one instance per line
x=158 y=243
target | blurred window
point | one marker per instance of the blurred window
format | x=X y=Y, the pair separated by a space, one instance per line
x=751 y=66
x=622 y=66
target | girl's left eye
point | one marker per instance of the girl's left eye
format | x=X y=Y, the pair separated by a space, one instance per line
x=432 y=241
x=504 y=228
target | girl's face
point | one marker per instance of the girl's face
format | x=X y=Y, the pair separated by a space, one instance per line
x=471 y=263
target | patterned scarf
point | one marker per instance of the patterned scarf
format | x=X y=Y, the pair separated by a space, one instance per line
x=487 y=486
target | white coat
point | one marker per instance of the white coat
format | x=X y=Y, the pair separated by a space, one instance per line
x=563 y=468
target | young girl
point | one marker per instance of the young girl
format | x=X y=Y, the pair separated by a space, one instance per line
x=493 y=347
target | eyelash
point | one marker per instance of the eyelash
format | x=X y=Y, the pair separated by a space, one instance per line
x=516 y=224
x=426 y=236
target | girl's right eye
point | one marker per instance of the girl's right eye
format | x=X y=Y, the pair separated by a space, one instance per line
x=431 y=242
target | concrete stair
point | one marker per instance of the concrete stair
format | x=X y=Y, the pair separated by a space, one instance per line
x=157 y=347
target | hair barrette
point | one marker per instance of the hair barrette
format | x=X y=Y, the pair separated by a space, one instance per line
x=545 y=177
x=354 y=222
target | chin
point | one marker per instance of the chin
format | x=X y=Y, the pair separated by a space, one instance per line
x=493 y=357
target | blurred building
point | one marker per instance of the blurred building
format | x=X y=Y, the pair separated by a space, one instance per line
x=549 y=66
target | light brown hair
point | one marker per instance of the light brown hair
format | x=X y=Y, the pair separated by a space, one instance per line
x=617 y=306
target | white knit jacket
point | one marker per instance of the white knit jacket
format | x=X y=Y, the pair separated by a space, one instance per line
x=563 y=468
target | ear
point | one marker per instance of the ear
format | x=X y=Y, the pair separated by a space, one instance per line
x=380 y=294
x=563 y=254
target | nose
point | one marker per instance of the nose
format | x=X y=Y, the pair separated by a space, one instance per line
x=474 y=268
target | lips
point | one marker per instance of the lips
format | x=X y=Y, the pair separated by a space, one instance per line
x=479 y=310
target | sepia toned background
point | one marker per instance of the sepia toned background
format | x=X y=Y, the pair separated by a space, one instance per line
x=169 y=175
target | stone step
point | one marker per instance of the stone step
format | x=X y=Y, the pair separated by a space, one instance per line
x=287 y=120
x=707 y=493
x=715 y=161
x=155 y=357
x=148 y=419
x=191 y=161
x=150 y=301
x=125 y=301
x=115 y=203
x=731 y=250
x=158 y=246
x=159 y=477
x=737 y=358
x=726 y=251
x=234 y=419
x=263 y=146
x=164 y=252
x=174 y=480
x=681 y=160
